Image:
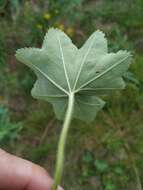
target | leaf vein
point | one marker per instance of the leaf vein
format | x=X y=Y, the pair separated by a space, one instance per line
x=52 y=81
x=63 y=61
x=101 y=74
x=83 y=62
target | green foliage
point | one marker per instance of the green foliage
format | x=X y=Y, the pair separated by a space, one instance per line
x=2 y=61
x=63 y=7
x=122 y=23
x=2 y=50
x=11 y=9
x=9 y=131
x=130 y=78
x=15 y=8
x=101 y=166
x=51 y=14
x=106 y=174
x=2 y=4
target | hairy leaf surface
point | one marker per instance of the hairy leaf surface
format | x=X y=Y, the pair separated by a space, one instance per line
x=62 y=68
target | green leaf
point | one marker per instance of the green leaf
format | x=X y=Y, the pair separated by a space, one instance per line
x=101 y=166
x=88 y=157
x=110 y=186
x=88 y=72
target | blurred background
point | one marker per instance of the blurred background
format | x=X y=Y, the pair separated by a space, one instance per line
x=104 y=155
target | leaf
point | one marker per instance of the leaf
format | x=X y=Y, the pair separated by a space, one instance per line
x=88 y=157
x=62 y=68
x=101 y=166
x=130 y=78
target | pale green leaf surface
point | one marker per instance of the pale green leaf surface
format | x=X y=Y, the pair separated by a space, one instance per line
x=62 y=68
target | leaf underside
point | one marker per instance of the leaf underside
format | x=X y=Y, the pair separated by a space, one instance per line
x=62 y=68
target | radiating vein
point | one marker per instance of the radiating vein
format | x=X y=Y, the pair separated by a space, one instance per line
x=52 y=81
x=101 y=74
x=89 y=104
x=96 y=89
x=83 y=62
x=52 y=96
x=63 y=61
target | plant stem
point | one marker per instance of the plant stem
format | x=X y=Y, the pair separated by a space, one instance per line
x=62 y=142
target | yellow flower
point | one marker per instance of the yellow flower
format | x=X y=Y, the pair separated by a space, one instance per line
x=61 y=26
x=47 y=16
x=70 y=31
x=39 y=26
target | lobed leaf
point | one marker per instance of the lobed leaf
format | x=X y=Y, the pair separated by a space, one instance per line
x=62 y=68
